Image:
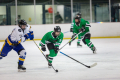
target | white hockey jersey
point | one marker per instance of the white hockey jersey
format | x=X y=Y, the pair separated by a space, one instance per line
x=17 y=35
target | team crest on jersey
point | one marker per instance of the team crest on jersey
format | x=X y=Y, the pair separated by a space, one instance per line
x=19 y=30
x=60 y=40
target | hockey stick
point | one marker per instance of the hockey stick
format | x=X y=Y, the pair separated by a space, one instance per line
x=78 y=61
x=45 y=56
x=69 y=41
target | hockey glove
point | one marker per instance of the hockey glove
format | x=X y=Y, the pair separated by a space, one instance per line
x=56 y=48
x=82 y=29
x=43 y=47
x=26 y=36
x=71 y=29
x=31 y=35
x=73 y=36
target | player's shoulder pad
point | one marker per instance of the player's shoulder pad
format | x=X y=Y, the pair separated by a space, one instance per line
x=48 y=33
x=62 y=35
x=82 y=19
x=73 y=20
x=18 y=30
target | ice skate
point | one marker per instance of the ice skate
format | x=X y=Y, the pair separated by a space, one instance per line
x=79 y=45
x=94 y=50
x=21 y=68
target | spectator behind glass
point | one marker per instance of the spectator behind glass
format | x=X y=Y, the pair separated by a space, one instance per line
x=3 y=22
x=58 y=18
x=19 y=18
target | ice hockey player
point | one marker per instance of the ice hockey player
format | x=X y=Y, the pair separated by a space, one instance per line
x=82 y=26
x=19 y=34
x=71 y=30
x=52 y=40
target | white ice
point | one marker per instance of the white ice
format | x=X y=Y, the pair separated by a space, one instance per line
x=107 y=57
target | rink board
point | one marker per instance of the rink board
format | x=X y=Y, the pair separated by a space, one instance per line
x=98 y=30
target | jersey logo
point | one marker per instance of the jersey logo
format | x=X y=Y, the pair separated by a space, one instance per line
x=60 y=40
x=19 y=30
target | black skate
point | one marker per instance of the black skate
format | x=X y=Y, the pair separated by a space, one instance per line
x=94 y=50
x=21 y=68
x=49 y=64
x=69 y=43
x=79 y=45
x=0 y=57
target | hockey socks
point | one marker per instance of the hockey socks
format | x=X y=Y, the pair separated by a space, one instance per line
x=89 y=44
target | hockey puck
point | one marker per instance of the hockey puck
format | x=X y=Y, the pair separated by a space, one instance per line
x=56 y=70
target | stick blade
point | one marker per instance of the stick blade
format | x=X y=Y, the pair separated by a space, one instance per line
x=93 y=65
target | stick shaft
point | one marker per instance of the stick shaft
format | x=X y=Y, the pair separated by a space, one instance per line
x=73 y=59
x=69 y=41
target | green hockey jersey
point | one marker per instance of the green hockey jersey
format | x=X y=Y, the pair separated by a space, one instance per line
x=49 y=38
x=83 y=23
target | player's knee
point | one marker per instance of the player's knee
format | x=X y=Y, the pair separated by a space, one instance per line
x=79 y=37
x=86 y=40
x=55 y=54
x=23 y=54
x=52 y=53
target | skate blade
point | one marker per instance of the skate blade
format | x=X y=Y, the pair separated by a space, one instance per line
x=79 y=46
x=95 y=52
x=20 y=70
x=49 y=66
x=93 y=65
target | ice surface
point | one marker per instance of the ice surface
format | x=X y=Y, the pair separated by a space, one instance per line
x=107 y=58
